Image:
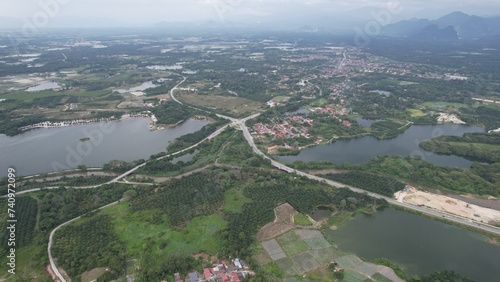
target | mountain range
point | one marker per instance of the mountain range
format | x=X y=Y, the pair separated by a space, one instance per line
x=451 y=26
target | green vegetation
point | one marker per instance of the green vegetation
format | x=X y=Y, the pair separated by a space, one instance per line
x=486 y=116
x=302 y=219
x=60 y=205
x=234 y=200
x=200 y=235
x=291 y=243
x=479 y=180
x=77 y=181
x=387 y=129
x=185 y=198
x=275 y=270
x=367 y=181
x=399 y=272
x=442 y=276
x=192 y=138
x=24 y=96
x=478 y=146
x=171 y=112
x=27 y=219
x=91 y=243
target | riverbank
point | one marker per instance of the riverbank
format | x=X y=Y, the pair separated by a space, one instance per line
x=77 y=122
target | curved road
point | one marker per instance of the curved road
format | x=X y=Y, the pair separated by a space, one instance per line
x=435 y=213
x=281 y=166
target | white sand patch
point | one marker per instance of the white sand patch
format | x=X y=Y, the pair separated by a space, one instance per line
x=449 y=205
x=449 y=118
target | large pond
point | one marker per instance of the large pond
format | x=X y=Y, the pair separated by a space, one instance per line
x=44 y=86
x=418 y=244
x=45 y=150
x=362 y=150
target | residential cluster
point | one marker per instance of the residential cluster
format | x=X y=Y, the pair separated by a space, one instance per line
x=220 y=272
x=290 y=127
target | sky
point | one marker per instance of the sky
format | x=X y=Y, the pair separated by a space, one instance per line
x=146 y=12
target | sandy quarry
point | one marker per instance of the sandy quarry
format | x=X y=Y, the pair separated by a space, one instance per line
x=449 y=205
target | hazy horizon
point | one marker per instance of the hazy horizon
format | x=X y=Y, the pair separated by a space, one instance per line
x=113 y=13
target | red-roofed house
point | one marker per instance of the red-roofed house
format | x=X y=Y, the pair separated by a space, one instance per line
x=207 y=273
x=225 y=278
x=235 y=277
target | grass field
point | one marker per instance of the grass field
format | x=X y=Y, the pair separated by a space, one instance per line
x=234 y=200
x=436 y=105
x=24 y=96
x=291 y=243
x=200 y=235
x=477 y=145
x=416 y=113
x=234 y=105
x=302 y=219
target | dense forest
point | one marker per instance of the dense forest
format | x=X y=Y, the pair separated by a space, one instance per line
x=477 y=146
x=184 y=199
x=367 y=181
x=60 y=205
x=88 y=245
x=171 y=112
x=479 y=179
x=192 y=138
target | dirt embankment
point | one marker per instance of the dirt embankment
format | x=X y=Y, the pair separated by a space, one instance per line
x=449 y=205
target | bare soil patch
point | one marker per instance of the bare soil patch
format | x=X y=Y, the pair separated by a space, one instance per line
x=449 y=205
x=282 y=223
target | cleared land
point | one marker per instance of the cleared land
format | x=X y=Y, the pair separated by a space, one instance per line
x=449 y=205
x=235 y=105
x=274 y=249
x=282 y=223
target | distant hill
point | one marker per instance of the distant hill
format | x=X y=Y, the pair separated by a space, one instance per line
x=465 y=26
x=434 y=32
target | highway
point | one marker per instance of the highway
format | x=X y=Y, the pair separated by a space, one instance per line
x=281 y=166
x=435 y=213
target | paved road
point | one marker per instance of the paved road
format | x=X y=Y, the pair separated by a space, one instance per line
x=281 y=166
x=427 y=211
x=51 y=239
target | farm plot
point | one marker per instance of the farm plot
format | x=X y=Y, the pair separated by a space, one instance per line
x=353 y=276
x=288 y=267
x=274 y=249
x=349 y=261
x=305 y=262
x=308 y=234
x=292 y=244
x=325 y=256
x=317 y=243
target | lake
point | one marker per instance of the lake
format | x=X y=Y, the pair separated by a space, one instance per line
x=44 y=86
x=418 y=244
x=50 y=149
x=362 y=150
